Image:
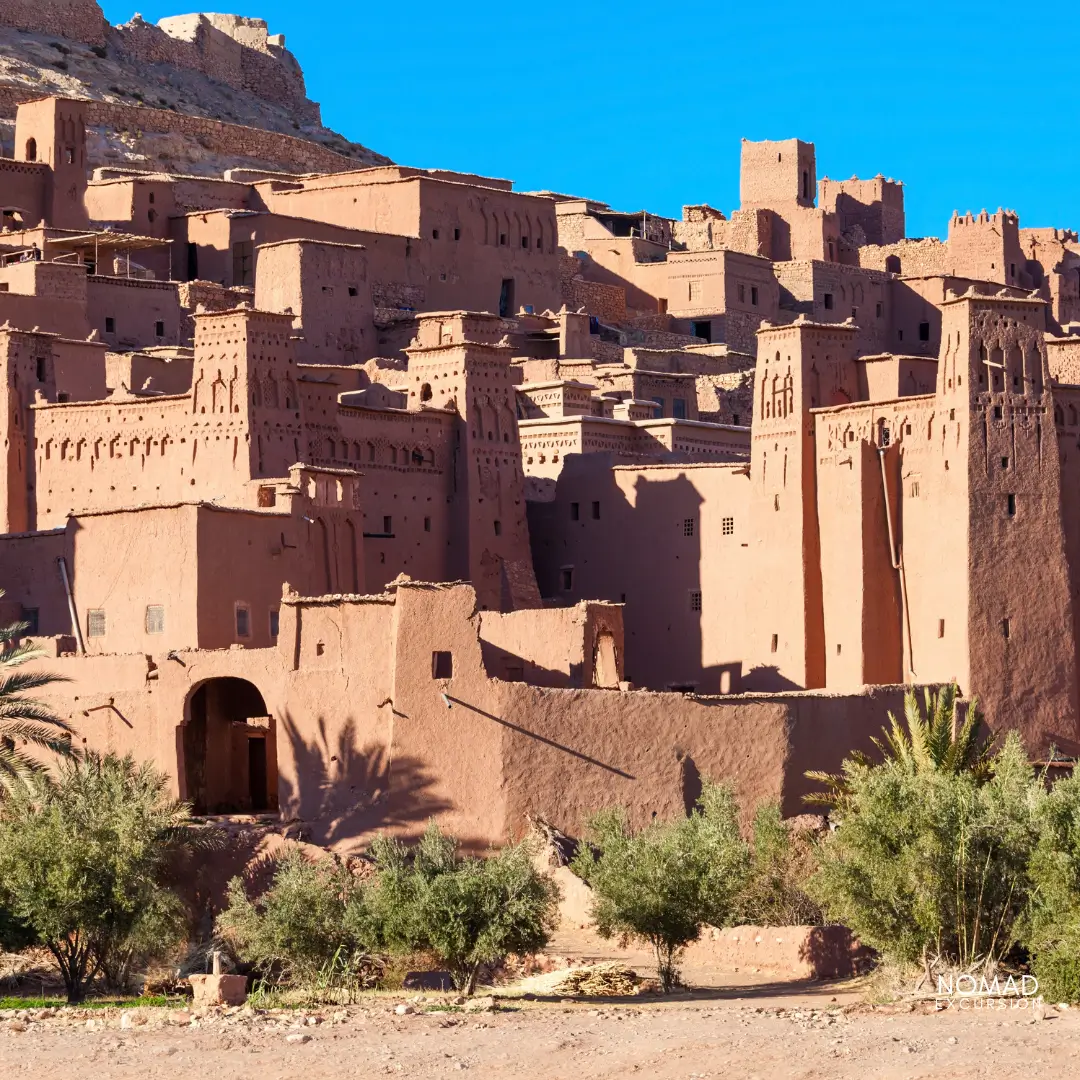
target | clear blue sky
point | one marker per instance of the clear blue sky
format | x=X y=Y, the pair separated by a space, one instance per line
x=972 y=105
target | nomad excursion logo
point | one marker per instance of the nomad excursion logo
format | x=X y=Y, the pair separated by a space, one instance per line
x=969 y=992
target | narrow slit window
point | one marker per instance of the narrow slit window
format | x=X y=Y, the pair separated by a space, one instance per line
x=442 y=665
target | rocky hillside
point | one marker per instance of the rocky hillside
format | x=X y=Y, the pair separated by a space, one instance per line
x=262 y=88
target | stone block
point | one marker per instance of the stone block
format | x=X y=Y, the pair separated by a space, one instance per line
x=218 y=989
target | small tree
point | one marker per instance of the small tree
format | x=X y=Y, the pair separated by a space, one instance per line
x=930 y=862
x=24 y=719
x=1054 y=933
x=781 y=862
x=85 y=861
x=467 y=911
x=307 y=929
x=934 y=740
x=660 y=885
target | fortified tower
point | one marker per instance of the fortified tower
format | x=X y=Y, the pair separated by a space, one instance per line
x=777 y=175
x=800 y=366
x=244 y=397
x=26 y=369
x=460 y=362
x=53 y=132
x=1008 y=592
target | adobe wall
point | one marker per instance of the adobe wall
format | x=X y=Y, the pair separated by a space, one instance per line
x=683 y=610
x=78 y=20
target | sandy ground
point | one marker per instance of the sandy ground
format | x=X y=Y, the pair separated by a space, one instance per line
x=723 y=1033
x=732 y=1025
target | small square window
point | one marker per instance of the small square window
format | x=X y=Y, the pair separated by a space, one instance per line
x=575 y=511
x=95 y=622
x=275 y=622
x=31 y=616
x=442 y=665
x=155 y=619
x=828 y=301
x=727 y=526
x=353 y=291
x=434 y=234
x=159 y=329
x=566 y=578
x=387 y=524
x=924 y=331
x=695 y=599
x=688 y=527
x=596 y=511
x=243 y=622
x=457 y=234
x=110 y=325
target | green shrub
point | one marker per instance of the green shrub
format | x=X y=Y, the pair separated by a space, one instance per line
x=781 y=863
x=661 y=884
x=467 y=911
x=84 y=863
x=930 y=862
x=306 y=931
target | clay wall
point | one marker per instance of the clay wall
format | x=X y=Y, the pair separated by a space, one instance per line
x=168 y=372
x=326 y=288
x=829 y=292
x=25 y=192
x=577 y=646
x=682 y=612
x=79 y=368
x=130 y=313
x=875 y=206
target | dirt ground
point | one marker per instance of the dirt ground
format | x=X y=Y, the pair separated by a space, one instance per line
x=732 y=1033
x=732 y=1025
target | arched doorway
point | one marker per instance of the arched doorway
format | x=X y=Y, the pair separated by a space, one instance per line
x=229 y=749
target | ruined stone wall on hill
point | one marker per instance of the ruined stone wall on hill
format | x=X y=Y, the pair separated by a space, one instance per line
x=292 y=153
x=79 y=20
x=234 y=51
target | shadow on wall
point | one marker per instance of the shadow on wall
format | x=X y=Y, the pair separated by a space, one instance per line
x=766 y=679
x=590 y=543
x=344 y=793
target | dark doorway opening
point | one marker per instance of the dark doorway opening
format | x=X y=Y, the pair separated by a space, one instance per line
x=703 y=330
x=257 y=792
x=506 y=299
x=192 y=262
x=229 y=749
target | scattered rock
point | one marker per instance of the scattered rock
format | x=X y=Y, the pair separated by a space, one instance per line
x=480 y=1004
x=403 y=1010
x=16 y=1025
x=298 y=1037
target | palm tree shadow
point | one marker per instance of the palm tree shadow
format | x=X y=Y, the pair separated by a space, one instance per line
x=345 y=793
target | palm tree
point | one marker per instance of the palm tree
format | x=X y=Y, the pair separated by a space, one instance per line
x=930 y=740
x=25 y=719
